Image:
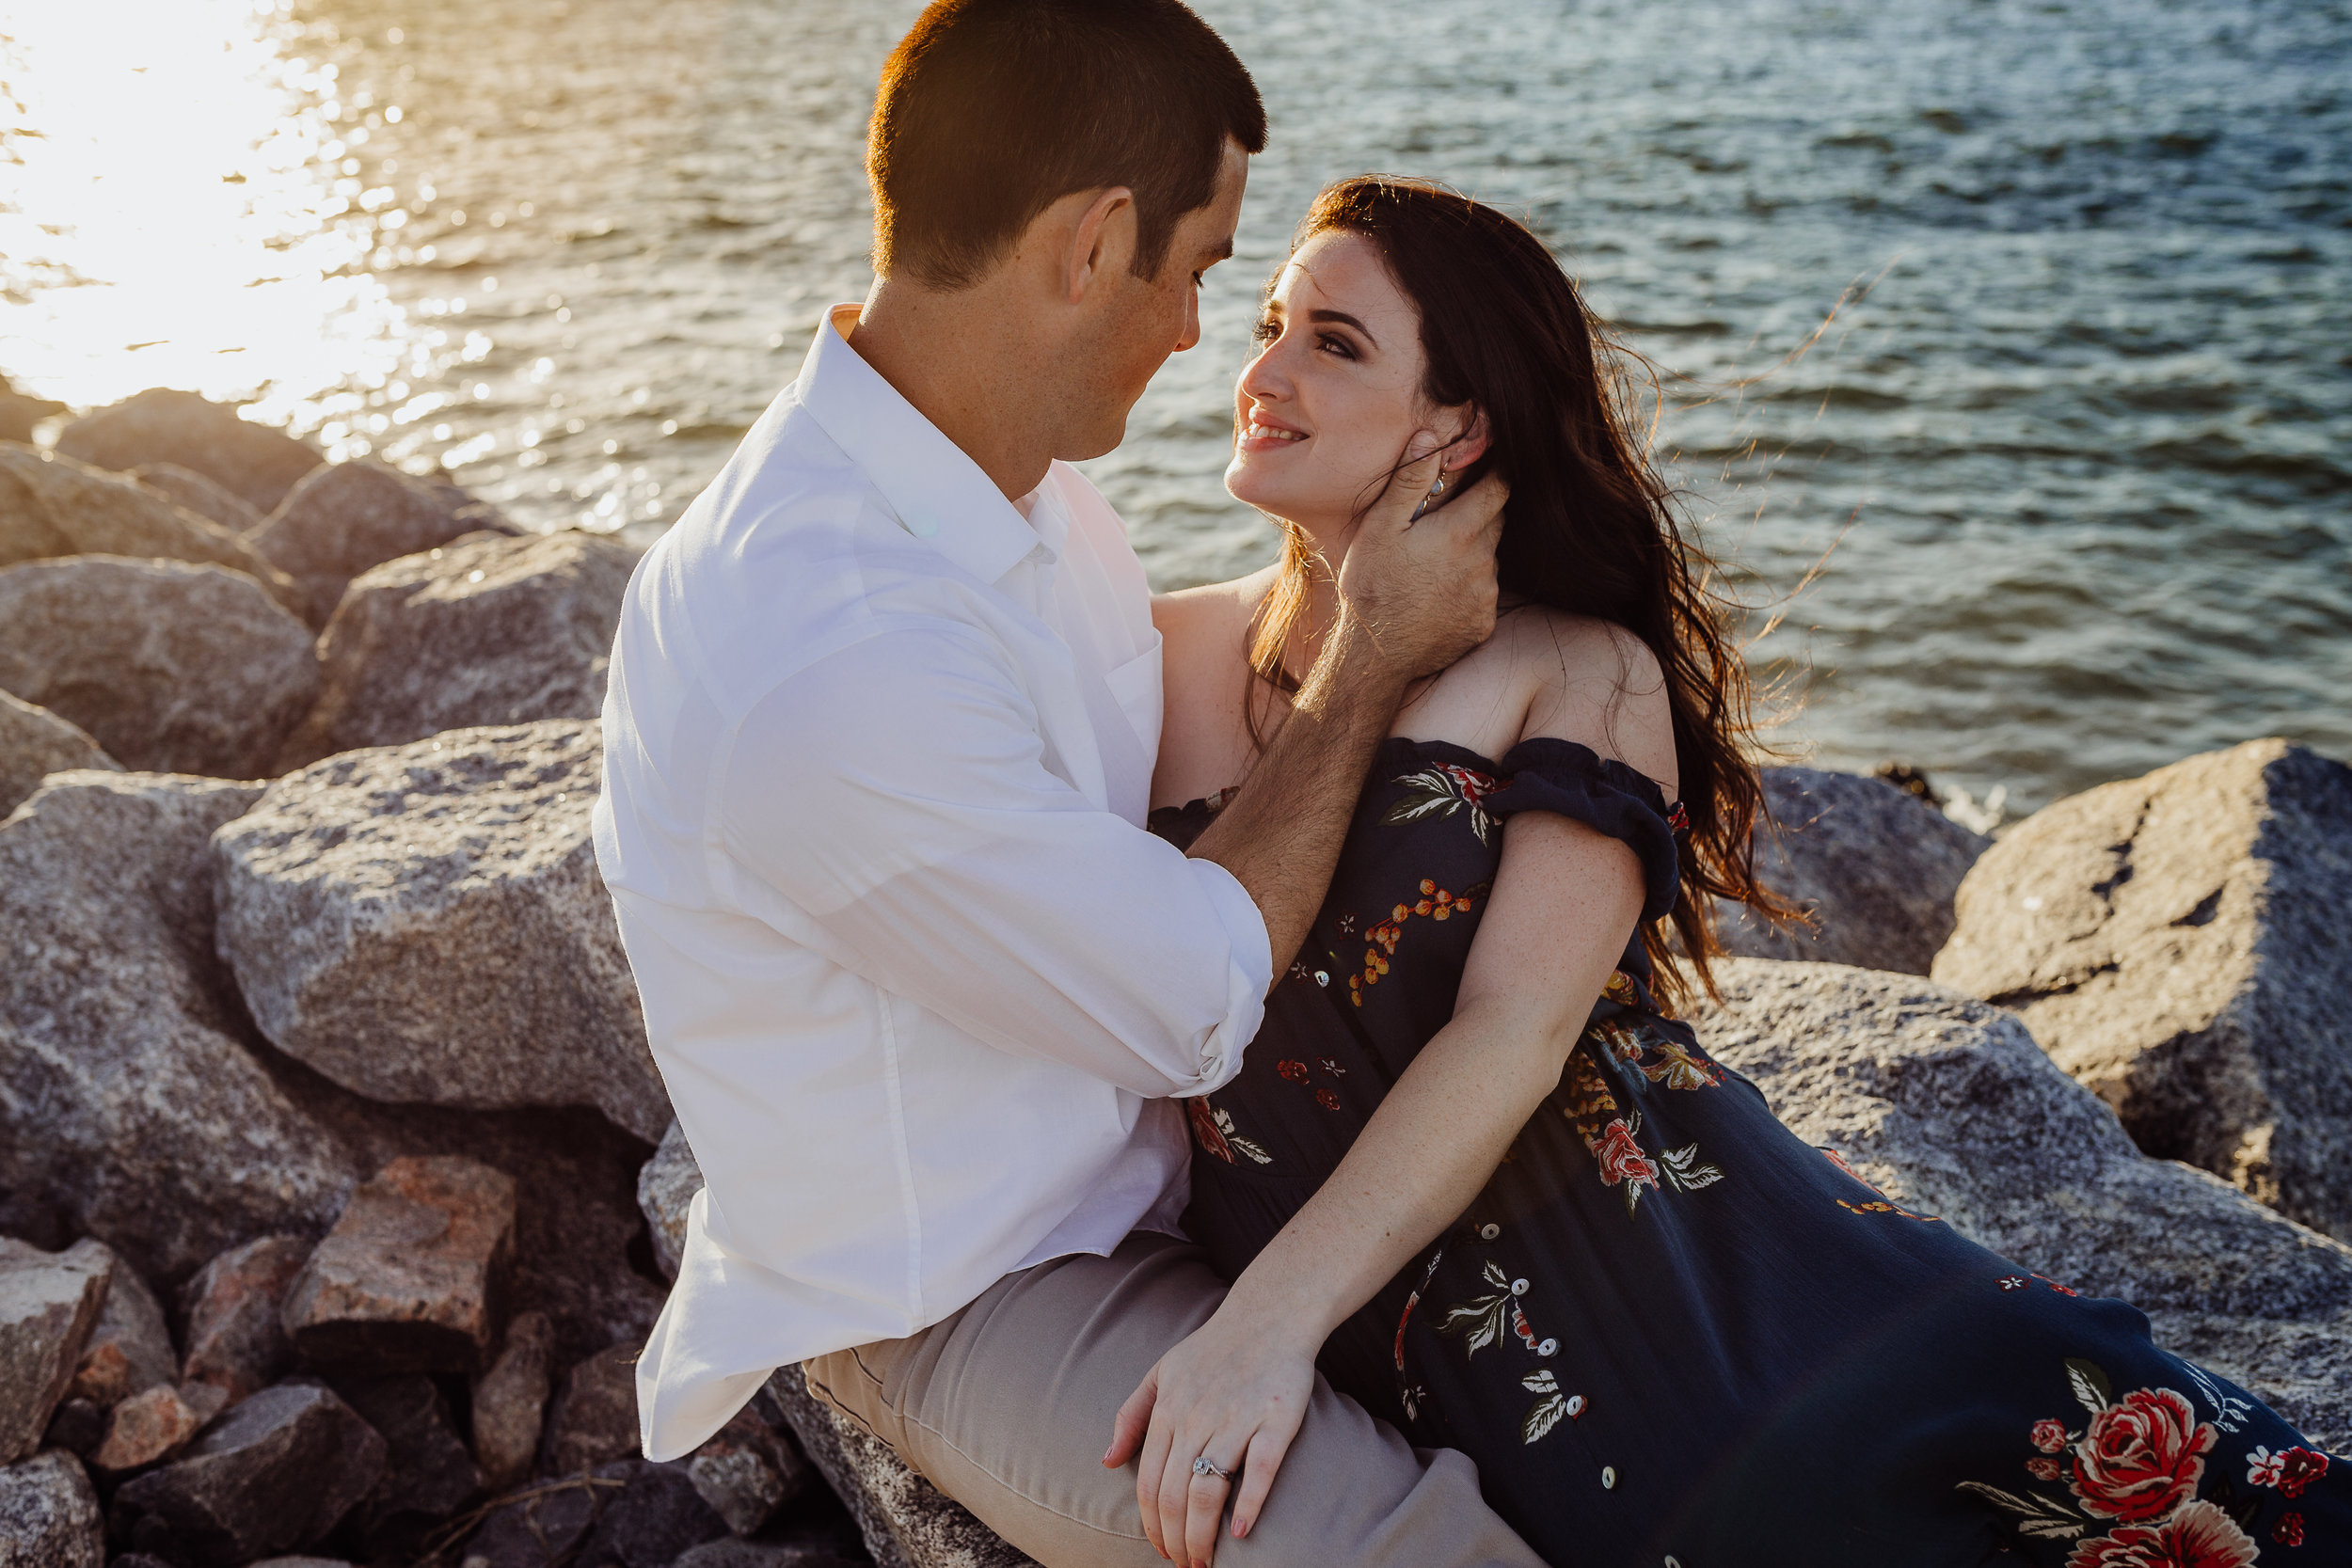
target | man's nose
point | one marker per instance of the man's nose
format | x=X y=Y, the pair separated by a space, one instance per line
x=1191 y=333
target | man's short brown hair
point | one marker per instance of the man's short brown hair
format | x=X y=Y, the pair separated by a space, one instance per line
x=991 y=110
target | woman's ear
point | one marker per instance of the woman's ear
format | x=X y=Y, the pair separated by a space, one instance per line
x=1470 y=443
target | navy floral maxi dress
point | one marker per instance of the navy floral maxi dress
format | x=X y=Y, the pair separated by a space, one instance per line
x=1670 y=1332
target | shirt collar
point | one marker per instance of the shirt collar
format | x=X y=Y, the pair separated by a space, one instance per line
x=938 y=493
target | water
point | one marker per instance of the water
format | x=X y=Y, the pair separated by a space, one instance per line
x=2075 y=439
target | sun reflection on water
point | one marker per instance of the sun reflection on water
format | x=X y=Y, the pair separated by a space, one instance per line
x=186 y=201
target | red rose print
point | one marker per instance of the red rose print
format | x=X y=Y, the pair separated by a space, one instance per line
x=1621 y=1158
x=1474 y=786
x=1326 y=1099
x=2288 y=1531
x=2199 y=1536
x=2049 y=1437
x=2298 y=1469
x=1295 y=1072
x=2045 y=1470
x=2141 y=1456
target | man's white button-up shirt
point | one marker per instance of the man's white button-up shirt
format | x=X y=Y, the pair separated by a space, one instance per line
x=878 y=751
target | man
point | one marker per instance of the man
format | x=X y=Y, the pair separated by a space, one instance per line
x=882 y=715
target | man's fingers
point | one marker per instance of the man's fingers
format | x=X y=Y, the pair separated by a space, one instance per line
x=1267 y=1452
x=1133 y=1420
x=1480 y=508
x=1204 y=1505
x=1409 y=486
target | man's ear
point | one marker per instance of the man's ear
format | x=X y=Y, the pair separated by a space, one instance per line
x=1469 y=444
x=1101 y=242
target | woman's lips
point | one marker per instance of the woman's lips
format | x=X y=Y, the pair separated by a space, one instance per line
x=1262 y=435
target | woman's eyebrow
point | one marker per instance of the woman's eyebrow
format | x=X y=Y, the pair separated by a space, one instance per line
x=1345 y=320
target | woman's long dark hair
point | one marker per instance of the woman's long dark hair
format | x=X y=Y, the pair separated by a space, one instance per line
x=1590 y=529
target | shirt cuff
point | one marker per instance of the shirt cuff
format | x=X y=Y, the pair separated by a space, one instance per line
x=1249 y=976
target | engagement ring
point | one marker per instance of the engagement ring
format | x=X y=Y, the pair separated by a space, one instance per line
x=1204 y=1466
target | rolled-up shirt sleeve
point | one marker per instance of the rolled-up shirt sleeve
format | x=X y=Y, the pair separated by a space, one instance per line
x=897 y=796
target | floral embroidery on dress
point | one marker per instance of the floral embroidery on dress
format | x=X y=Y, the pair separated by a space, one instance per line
x=2132 y=1472
x=1295 y=1072
x=1436 y=902
x=1610 y=1135
x=1881 y=1205
x=1442 y=789
x=1213 y=1129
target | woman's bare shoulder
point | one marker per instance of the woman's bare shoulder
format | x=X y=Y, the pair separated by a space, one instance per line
x=1213 y=616
x=1547 y=673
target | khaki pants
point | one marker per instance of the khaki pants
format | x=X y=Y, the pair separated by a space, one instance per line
x=1006 y=1407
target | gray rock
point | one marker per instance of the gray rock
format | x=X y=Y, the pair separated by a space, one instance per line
x=130 y=1349
x=276 y=1472
x=1873 y=866
x=657 y=1515
x=49 y=1303
x=907 y=1522
x=490 y=629
x=665 y=1188
x=252 y=461
x=746 y=1471
x=428 y=1475
x=78 y=1427
x=236 y=1339
x=204 y=497
x=172 y=667
x=342 y=519
x=128 y=1101
x=539 y=1527
x=509 y=1401
x=1949 y=1105
x=53 y=506
x=295 y=1562
x=2181 y=943
x=731 y=1553
x=49 y=1515
x=35 y=743
x=413 y=1277
x=153 y=1423
x=594 y=1420
x=423 y=922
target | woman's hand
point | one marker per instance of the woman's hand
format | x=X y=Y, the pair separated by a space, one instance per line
x=1235 y=1391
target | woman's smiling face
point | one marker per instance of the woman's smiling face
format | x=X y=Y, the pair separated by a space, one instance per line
x=1323 y=413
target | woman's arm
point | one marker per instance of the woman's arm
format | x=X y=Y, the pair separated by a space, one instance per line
x=1565 y=900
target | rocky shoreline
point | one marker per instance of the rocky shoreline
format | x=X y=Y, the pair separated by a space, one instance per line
x=338 y=1190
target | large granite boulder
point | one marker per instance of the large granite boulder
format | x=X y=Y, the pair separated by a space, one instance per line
x=2181 y=943
x=276 y=1472
x=413 y=1277
x=200 y=495
x=174 y=668
x=1949 y=1106
x=35 y=743
x=1874 y=867
x=52 y=506
x=344 y=518
x=252 y=461
x=129 y=1105
x=49 y=1514
x=425 y=922
x=665 y=1189
x=49 y=1303
x=491 y=630
x=907 y=1522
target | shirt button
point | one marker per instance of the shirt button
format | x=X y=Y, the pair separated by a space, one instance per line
x=1608 y=1477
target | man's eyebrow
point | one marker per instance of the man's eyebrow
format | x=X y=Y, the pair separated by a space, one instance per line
x=1345 y=320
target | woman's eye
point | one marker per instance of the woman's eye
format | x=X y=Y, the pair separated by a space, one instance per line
x=1332 y=343
x=1265 y=331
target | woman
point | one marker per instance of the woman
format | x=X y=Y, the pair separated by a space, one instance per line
x=1473 y=1168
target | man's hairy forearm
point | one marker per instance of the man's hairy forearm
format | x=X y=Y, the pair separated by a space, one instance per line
x=1281 y=836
